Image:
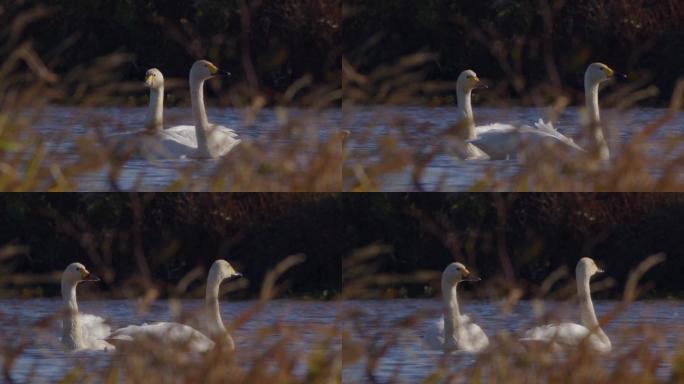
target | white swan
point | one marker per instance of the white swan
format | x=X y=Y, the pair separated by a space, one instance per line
x=80 y=331
x=571 y=334
x=595 y=74
x=498 y=141
x=461 y=333
x=203 y=140
x=181 y=336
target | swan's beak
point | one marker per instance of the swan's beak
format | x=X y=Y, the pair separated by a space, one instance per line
x=223 y=73
x=87 y=276
x=234 y=276
x=479 y=84
x=599 y=270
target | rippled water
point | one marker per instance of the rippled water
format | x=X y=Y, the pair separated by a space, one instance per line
x=61 y=126
x=447 y=173
x=43 y=361
x=411 y=361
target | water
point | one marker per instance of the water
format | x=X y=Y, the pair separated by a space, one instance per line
x=43 y=360
x=444 y=172
x=412 y=361
x=62 y=126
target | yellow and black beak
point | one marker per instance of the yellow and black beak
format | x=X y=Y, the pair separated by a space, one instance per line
x=87 y=276
x=215 y=71
x=467 y=276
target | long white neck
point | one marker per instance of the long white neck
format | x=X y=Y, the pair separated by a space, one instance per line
x=155 y=113
x=591 y=91
x=215 y=322
x=587 y=313
x=201 y=121
x=71 y=329
x=465 y=113
x=452 y=314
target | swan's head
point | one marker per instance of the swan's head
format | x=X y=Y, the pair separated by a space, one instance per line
x=467 y=81
x=587 y=267
x=77 y=272
x=597 y=73
x=203 y=69
x=154 y=79
x=455 y=273
x=222 y=270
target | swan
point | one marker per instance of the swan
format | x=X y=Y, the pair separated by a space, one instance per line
x=80 y=331
x=203 y=140
x=181 y=336
x=596 y=74
x=498 y=141
x=571 y=334
x=461 y=333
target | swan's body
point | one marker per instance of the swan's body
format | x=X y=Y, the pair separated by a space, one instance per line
x=501 y=141
x=180 y=336
x=455 y=331
x=80 y=331
x=498 y=141
x=566 y=335
x=203 y=140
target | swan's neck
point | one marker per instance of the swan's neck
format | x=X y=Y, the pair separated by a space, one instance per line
x=452 y=314
x=465 y=114
x=201 y=121
x=155 y=116
x=587 y=313
x=215 y=322
x=591 y=92
x=71 y=330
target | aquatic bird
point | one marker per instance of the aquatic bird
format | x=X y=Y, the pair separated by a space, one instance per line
x=80 y=331
x=202 y=140
x=499 y=141
x=570 y=334
x=455 y=331
x=596 y=74
x=181 y=336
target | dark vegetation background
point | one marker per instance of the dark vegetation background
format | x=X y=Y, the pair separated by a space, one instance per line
x=512 y=240
x=517 y=240
x=132 y=239
x=522 y=44
x=267 y=45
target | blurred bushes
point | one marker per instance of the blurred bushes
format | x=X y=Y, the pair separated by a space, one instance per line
x=133 y=239
x=517 y=240
x=512 y=240
x=268 y=44
x=523 y=44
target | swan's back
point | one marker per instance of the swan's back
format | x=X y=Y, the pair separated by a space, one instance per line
x=566 y=335
x=94 y=331
x=174 y=335
x=471 y=339
x=502 y=141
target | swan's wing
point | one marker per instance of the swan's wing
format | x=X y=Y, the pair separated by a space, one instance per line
x=564 y=334
x=223 y=139
x=499 y=141
x=94 y=330
x=475 y=338
x=434 y=335
x=164 y=333
x=546 y=133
